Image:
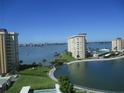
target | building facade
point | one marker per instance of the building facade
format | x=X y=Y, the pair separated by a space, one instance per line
x=118 y=44
x=9 y=58
x=77 y=46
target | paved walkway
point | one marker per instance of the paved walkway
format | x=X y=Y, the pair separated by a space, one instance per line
x=101 y=59
x=51 y=74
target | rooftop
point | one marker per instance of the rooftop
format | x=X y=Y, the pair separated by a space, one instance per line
x=79 y=35
x=25 y=89
x=119 y=38
x=3 y=30
x=45 y=91
x=2 y=82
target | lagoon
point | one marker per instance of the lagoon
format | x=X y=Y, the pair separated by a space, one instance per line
x=102 y=75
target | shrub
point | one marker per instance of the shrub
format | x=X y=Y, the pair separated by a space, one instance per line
x=65 y=85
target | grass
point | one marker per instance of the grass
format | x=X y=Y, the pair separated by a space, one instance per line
x=67 y=57
x=37 y=78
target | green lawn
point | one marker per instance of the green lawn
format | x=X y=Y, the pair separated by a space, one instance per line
x=36 y=78
x=66 y=57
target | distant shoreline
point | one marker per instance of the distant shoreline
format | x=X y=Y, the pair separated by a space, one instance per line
x=47 y=44
x=39 y=45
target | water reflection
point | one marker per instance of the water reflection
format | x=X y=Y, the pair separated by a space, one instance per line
x=104 y=75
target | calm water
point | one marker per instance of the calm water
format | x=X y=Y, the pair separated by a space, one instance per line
x=103 y=75
x=96 y=46
x=37 y=54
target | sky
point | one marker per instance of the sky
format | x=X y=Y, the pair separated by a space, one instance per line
x=40 y=21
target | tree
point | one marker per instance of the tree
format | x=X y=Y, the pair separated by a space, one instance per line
x=34 y=64
x=56 y=54
x=65 y=85
x=78 y=56
x=115 y=48
x=21 y=61
x=58 y=62
x=44 y=61
x=70 y=89
x=69 y=53
x=40 y=64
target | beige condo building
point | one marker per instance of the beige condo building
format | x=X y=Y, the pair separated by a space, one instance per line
x=118 y=44
x=8 y=51
x=77 y=46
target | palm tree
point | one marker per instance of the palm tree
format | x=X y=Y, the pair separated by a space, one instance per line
x=34 y=64
x=44 y=61
x=40 y=64
x=78 y=56
x=21 y=61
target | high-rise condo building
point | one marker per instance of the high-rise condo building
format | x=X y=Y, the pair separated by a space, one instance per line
x=8 y=51
x=77 y=46
x=118 y=44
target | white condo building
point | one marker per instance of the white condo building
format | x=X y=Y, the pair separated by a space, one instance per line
x=8 y=51
x=77 y=46
x=118 y=44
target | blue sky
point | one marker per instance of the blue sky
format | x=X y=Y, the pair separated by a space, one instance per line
x=55 y=20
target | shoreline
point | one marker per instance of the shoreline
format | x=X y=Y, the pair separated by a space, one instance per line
x=87 y=89
x=102 y=59
x=52 y=76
